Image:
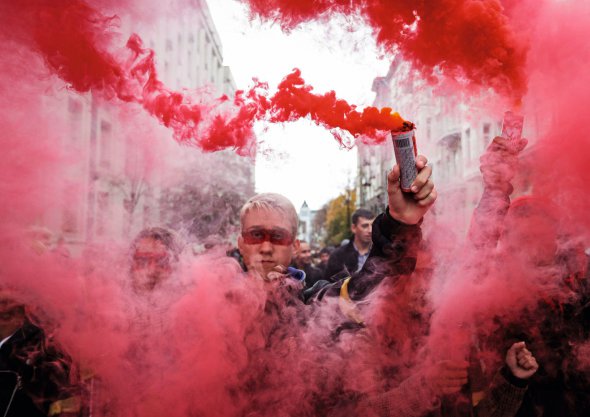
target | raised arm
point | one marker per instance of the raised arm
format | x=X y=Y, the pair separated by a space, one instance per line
x=498 y=166
x=505 y=394
x=396 y=232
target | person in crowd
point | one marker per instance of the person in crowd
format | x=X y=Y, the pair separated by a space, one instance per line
x=526 y=234
x=350 y=258
x=154 y=253
x=303 y=261
x=443 y=388
x=434 y=386
x=434 y=389
x=153 y=287
x=267 y=245
x=323 y=262
x=36 y=378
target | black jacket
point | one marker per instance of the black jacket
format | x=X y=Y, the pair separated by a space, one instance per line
x=312 y=275
x=343 y=259
x=34 y=375
x=394 y=251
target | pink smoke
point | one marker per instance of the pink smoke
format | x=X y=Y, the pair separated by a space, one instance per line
x=225 y=343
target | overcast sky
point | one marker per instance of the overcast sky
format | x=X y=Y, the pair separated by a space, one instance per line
x=300 y=160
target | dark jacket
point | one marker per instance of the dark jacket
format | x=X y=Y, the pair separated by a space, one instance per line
x=343 y=260
x=559 y=388
x=35 y=377
x=312 y=275
x=393 y=254
x=322 y=266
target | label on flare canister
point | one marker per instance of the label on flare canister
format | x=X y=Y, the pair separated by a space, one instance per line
x=404 y=146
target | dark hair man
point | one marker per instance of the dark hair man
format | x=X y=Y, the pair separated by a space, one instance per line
x=324 y=257
x=350 y=258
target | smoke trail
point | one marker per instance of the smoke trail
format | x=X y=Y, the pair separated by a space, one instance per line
x=464 y=40
x=77 y=43
x=224 y=343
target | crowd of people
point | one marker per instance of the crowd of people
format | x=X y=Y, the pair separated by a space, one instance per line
x=537 y=376
x=329 y=263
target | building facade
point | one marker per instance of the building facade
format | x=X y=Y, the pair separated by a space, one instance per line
x=452 y=134
x=121 y=193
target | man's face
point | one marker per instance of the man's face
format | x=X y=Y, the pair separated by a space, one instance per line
x=362 y=230
x=304 y=254
x=266 y=241
x=151 y=264
x=324 y=257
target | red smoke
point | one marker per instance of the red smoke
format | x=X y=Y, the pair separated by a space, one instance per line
x=465 y=39
x=228 y=344
x=294 y=100
x=78 y=44
x=494 y=287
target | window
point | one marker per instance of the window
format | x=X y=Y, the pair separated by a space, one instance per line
x=75 y=118
x=70 y=219
x=102 y=213
x=180 y=49
x=189 y=65
x=467 y=142
x=147 y=215
x=105 y=144
x=74 y=106
x=486 y=134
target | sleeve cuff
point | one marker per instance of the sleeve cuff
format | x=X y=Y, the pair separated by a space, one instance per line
x=388 y=223
x=508 y=376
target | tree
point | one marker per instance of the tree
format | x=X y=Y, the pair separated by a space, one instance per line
x=338 y=213
x=202 y=211
x=206 y=195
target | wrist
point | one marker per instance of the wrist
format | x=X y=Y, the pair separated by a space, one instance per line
x=506 y=372
x=402 y=221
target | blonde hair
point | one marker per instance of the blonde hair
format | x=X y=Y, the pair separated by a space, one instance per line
x=275 y=202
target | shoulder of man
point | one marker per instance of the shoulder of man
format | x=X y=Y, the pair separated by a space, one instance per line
x=342 y=251
x=342 y=256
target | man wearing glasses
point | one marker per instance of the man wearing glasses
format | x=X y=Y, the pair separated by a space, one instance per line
x=269 y=225
x=267 y=244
